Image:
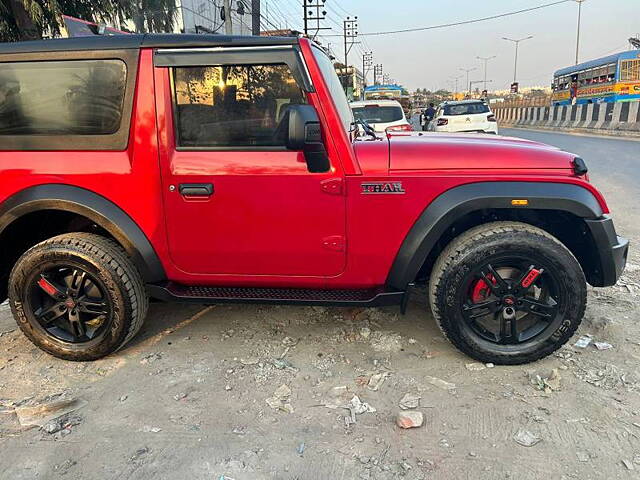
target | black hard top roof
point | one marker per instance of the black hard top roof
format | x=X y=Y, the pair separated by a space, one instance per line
x=150 y=40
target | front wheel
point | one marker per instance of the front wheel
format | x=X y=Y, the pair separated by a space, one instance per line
x=77 y=296
x=507 y=293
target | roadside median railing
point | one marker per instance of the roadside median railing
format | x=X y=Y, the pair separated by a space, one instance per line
x=621 y=118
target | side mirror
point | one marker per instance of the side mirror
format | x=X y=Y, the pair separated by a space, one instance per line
x=305 y=134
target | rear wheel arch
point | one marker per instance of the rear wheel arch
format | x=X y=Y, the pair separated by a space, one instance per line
x=79 y=210
x=464 y=207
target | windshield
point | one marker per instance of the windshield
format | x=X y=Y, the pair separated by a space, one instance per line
x=335 y=87
x=378 y=114
x=466 y=109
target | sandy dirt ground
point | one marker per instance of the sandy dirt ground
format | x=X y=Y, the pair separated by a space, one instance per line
x=267 y=392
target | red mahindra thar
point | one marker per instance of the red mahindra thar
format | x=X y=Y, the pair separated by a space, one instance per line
x=215 y=169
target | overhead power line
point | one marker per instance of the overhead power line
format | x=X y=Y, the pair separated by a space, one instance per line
x=464 y=22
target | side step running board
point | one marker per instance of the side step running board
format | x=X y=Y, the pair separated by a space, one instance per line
x=174 y=292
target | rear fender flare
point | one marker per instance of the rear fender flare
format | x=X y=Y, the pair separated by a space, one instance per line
x=96 y=208
x=459 y=201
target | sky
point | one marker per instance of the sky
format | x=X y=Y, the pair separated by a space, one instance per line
x=430 y=59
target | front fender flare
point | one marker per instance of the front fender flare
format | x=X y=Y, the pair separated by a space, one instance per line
x=98 y=209
x=459 y=201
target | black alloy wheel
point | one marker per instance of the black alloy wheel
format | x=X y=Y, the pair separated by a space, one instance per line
x=77 y=296
x=507 y=293
x=69 y=303
x=510 y=301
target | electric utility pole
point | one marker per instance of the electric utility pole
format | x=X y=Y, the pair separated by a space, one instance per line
x=310 y=15
x=228 y=26
x=578 y=32
x=255 y=18
x=467 y=70
x=485 y=60
x=367 y=63
x=377 y=73
x=350 y=34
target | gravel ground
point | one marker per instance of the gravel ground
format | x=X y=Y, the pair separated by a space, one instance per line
x=199 y=394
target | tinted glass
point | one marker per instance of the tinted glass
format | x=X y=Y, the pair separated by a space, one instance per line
x=335 y=87
x=466 y=109
x=378 y=114
x=235 y=105
x=78 y=97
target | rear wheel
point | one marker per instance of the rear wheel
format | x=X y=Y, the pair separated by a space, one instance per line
x=507 y=293
x=77 y=296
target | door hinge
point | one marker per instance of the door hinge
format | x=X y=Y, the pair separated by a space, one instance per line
x=332 y=186
x=334 y=242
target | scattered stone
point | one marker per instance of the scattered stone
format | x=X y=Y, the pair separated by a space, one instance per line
x=628 y=464
x=152 y=357
x=63 y=468
x=475 y=366
x=41 y=415
x=149 y=429
x=365 y=333
x=546 y=383
x=409 y=401
x=139 y=453
x=583 y=456
x=386 y=342
x=489 y=365
x=280 y=399
x=289 y=342
x=438 y=382
x=123 y=398
x=249 y=361
x=526 y=438
x=376 y=381
x=227 y=388
x=239 y=430
x=412 y=341
x=603 y=345
x=180 y=396
x=583 y=342
x=409 y=419
x=473 y=454
x=66 y=422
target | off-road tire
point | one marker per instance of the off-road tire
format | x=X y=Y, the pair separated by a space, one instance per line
x=477 y=245
x=106 y=260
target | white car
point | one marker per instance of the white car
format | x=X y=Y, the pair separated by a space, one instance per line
x=382 y=115
x=464 y=116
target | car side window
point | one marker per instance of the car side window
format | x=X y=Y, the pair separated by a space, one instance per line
x=61 y=98
x=233 y=106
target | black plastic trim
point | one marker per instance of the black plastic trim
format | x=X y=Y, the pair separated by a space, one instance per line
x=111 y=42
x=172 y=292
x=98 y=209
x=459 y=201
x=611 y=248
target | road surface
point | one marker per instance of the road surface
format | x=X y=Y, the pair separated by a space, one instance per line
x=613 y=163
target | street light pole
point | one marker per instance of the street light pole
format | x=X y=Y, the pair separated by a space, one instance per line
x=467 y=70
x=578 y=32
x=485 y=60
x=515 y=64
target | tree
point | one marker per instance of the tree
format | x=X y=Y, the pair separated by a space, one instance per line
x=33 y=19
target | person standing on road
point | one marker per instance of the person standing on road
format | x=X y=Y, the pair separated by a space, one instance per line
x=429 y=114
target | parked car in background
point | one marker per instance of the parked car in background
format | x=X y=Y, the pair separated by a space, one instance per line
x=464 y=116
x=382 y=115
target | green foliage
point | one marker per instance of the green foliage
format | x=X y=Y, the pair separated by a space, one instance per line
x=31 y=19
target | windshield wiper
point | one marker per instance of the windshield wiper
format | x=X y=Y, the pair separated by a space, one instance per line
x=368 y=129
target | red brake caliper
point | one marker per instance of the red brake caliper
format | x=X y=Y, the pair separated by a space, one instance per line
x=481 y=290
x=531 y=277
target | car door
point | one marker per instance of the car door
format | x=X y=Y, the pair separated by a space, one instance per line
x=237 y=201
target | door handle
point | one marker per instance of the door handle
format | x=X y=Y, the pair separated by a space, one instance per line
x=196 y=189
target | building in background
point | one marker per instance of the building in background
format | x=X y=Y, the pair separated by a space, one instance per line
x=352 y=79
x=205 y=16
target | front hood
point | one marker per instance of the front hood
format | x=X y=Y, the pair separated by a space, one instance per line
x=441 y=151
